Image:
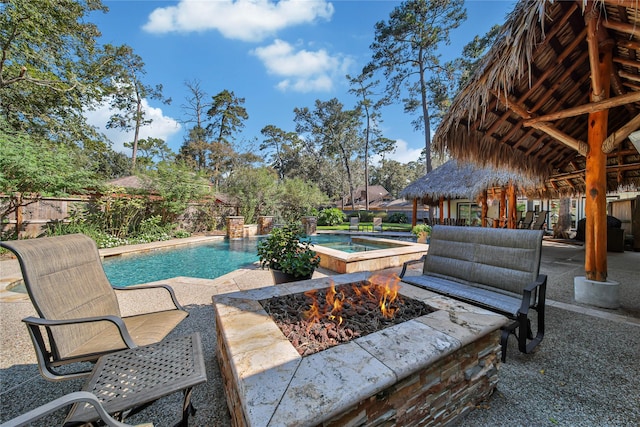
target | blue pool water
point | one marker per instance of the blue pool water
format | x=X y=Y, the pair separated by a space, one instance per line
x=206 y=261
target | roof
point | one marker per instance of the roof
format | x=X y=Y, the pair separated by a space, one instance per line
x=131 y=181
x=519 y=109
x=456 y=179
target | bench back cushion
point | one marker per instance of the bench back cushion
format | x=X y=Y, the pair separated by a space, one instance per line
x=498 y=258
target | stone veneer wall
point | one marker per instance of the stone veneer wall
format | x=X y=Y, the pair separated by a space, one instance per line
x=433 y=396
x=265 y=224
x=235 y=227
x=310 y=225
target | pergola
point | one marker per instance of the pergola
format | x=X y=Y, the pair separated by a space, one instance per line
x=455 y=180
x=557 y=97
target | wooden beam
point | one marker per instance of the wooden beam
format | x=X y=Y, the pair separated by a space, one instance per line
x=485 y=209
x=629 y=76
x=620 y=135
x=569 y=141
x=627 y=62
x=587 y=108
x=623 y=27
x=624 y=3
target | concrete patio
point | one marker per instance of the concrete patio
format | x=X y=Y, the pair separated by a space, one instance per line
x=585 y=372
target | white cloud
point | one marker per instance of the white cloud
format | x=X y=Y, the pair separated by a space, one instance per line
x=247 y=20
x=302 y=70
x=162 y=127
x=402 y=154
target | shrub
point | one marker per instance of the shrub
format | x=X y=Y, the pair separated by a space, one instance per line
x=397 y=218
x=330 y=216
x=365 y=216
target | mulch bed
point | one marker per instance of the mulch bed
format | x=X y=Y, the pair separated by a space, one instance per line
x=360 y=316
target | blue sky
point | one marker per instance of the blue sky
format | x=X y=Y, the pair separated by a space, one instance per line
x=276 y=55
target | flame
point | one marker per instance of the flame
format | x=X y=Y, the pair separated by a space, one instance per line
x=382 y=290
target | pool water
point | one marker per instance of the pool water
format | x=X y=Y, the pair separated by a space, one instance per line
x=345 y=244
x=206 y=261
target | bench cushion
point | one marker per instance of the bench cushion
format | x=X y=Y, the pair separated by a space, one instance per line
x=503 y=259
x=496 y=301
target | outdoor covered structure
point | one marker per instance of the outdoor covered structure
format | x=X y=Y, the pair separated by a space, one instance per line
x=557 y=97
x=460 y=180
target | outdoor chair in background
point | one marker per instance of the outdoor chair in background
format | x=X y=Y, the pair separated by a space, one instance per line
x=540 y=222
x=78 y=308
x=354 y=223
x=43 y=411
x=525 y=222
x=377 y=224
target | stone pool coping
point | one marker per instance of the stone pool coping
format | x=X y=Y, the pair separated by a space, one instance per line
x=373 y=260
x=276 y=386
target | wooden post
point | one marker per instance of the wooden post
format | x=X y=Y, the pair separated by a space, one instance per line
x=485 y=209
x=414 y=211
x=513 y=208
x=503 y=207
x=19 y=220
x=441 y=206
x=600 y=56
x=449 y=208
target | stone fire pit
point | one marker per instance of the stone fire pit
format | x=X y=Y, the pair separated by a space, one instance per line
x=431 y=369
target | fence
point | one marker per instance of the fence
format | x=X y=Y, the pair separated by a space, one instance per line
x=34 y=215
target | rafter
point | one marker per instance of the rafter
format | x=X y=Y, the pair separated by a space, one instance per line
x=586 y=108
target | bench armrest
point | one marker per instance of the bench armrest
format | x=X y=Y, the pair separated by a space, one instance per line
x=408 y=263
x=168 y=288
x=541 y=286
x=117 y=321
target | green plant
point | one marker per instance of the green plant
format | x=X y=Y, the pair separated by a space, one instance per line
x=288 y=249
x=397 y=218
x=419 y=229
x=330 y=216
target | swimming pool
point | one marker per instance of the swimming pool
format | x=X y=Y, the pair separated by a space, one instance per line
x=215 y=259
x=205 y=261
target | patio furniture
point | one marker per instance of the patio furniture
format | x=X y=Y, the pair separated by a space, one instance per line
x=541 y=221
x=493 y=268
x=128 y=381
x=377 y=224
x=527 y=220
x=354 y=223
x=89 y=399
x=78 y=308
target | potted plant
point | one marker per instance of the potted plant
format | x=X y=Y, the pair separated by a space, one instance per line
x=287 y=253
x=422 y=232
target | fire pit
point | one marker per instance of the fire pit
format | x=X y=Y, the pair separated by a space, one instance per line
x=429 y=369
x=321 y=318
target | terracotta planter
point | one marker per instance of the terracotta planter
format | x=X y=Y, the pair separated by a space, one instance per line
x=423 y=238
x=280 y=277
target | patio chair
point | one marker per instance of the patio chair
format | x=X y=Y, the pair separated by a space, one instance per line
x=354 y=223
x=540 y=222
x=377 y=224
x=527 y=220
x=78 y=308
x=43 y=411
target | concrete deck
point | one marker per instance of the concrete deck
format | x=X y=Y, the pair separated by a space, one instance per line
x=584 y=373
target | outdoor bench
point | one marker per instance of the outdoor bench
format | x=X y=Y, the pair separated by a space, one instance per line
x=496 y=269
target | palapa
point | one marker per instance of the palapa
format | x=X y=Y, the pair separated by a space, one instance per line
x=460 y=180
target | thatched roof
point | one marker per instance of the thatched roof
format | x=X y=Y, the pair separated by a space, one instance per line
x=540 y=66
x=456 y=179
x=131 y=181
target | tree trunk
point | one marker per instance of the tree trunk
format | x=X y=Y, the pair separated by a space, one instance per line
x=562 y=227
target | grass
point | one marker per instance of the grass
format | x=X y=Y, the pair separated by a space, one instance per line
x=386 y=226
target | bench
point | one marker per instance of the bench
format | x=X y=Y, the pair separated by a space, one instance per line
x=496 y=269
